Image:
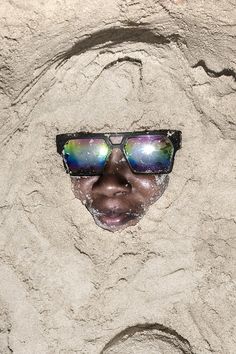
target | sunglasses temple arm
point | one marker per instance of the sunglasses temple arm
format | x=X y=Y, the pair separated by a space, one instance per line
x=178 y=140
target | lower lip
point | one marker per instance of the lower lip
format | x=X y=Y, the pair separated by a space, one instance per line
x=115 y=220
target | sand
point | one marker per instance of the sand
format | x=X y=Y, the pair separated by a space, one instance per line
x=166 y=285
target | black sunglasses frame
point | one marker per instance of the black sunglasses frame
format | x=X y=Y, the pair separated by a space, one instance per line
x=175 y=137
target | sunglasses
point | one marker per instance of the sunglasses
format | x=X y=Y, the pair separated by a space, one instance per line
x=86 y=154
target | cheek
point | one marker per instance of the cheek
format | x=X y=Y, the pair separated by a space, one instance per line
x=146 y=185
x=82 y=187
x=152 y=187
x=162 y=182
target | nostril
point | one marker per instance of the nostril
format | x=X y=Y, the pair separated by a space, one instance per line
x=120 y=188
x=120 y=193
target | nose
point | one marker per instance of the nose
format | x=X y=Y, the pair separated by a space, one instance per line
x=114 y=181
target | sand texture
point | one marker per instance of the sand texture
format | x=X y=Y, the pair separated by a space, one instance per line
x=166 y=285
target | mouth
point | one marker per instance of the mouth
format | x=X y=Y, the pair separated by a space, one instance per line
x=115 y=218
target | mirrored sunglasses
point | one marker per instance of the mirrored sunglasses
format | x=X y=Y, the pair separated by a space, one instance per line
x=149 y=152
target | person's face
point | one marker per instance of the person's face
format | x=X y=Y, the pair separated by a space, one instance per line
x=118 y=198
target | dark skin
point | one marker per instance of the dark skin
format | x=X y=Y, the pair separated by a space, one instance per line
x=118 y=198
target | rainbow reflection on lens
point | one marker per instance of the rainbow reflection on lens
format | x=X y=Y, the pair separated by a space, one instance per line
x=149 y=153
x=85 y=155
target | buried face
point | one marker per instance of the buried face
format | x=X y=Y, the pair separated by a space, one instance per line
x=118 y=198
x=118 y=177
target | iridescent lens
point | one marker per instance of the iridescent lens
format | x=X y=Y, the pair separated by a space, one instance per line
x=149 y=153
x=86 y=156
